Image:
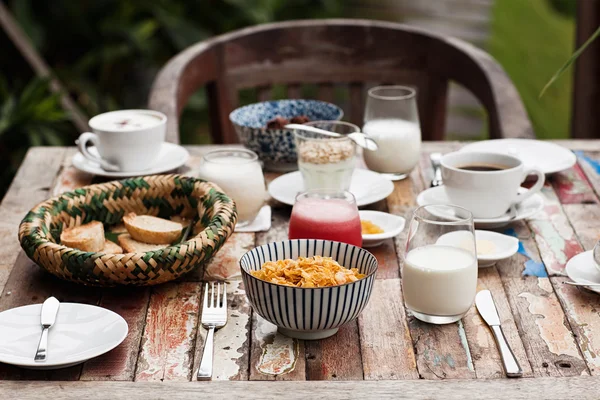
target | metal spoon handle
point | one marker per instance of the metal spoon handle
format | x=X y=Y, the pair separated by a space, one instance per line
x=360 y=138
x=581 y=284
x=309 y=128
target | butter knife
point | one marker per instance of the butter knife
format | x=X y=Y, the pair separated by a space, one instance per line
x=486 y=307
x=48 y=318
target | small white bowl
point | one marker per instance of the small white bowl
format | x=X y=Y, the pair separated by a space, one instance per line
x=391 y=224
x=504 y=246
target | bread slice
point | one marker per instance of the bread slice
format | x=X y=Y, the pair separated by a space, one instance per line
x=88 y=237
x=111 y=247
x=131 y=245
x=153 y=230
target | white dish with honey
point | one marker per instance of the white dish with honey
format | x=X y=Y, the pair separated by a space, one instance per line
x=491 y=246
x=390 y=225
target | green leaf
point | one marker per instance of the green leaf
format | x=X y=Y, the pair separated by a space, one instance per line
x=570 y=61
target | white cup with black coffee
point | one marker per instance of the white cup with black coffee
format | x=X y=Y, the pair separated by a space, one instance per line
x=125 y=140
x=487 y=184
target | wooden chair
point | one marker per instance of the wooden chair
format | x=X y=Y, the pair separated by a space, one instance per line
x=337 y=52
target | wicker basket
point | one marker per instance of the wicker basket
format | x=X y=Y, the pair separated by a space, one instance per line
x=161 y=195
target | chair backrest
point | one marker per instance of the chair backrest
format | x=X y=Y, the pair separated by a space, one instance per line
x=330 y=53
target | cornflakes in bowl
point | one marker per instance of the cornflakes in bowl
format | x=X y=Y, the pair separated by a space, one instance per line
x=308 y=287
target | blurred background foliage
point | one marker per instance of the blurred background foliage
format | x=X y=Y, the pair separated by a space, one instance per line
x=107 y=52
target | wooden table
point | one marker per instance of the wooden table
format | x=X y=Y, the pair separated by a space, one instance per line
x=554 y=329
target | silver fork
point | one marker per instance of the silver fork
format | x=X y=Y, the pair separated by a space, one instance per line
x=214 y=316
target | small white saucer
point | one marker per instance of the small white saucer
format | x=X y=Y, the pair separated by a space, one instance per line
x=581 y=269
x=366 y=186
x=81 y=332
x=545 y=156
x=261 y=223
x=525 y=209
x=504 y=246
x=170 y=157
x=391 y=224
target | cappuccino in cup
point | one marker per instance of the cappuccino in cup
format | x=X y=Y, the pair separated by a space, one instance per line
x=126 y=140
x=487 y=184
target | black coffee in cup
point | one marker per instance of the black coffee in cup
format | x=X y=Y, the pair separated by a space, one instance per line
x=484 y=167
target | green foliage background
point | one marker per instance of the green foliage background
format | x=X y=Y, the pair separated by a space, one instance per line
x=107 y=52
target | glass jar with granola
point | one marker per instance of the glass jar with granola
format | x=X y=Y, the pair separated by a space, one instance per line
x=326 y=162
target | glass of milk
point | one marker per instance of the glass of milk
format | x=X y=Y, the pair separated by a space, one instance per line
x=239 y=174
x=392 y=120
x=439 y=282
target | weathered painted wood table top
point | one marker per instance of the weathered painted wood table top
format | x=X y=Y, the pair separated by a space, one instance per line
x=553 y=328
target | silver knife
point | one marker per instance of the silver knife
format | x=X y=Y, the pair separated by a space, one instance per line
x=437 y=169
x=487 y=309
x=48 y=318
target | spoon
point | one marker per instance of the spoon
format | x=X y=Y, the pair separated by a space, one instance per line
x=359 y=138
x=580 y=284
x=437 y=169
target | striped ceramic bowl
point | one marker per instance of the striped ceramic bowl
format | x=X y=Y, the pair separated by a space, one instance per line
x=308 y=313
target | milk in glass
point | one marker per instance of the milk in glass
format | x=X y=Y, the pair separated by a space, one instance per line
x=240 y=178
x=439 y=280
x=399 y=144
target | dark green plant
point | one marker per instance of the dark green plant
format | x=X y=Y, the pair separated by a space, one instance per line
x=107 y=52
x=30 y=115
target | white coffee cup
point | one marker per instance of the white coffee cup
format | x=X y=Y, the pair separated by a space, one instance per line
x=126 y=140
x=486 y=193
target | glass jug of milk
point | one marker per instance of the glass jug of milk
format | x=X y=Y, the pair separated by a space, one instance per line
x=392 y=120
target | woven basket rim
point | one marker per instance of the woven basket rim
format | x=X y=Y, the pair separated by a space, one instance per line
x=75 y=251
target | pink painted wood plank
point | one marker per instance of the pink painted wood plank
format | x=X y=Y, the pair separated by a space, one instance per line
x=553 y=234
x=170 y=333
x=572 y=186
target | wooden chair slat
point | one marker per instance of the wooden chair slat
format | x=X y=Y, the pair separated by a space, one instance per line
x=357 y=103
x=337 y=51
x=264 y=93
x=294 y=91
x=325 y=92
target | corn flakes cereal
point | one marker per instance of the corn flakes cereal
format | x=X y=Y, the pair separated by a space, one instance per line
x=307 y=272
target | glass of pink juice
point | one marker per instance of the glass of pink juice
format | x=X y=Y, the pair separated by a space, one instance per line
x=326 y=214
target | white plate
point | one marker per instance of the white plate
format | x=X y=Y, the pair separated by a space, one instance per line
x=81 y=332
x=367 y=186
x=581 y=269
x=504 y=246
x=546 y=156
x=170 y=157
x=525 y=209
x=390 y=223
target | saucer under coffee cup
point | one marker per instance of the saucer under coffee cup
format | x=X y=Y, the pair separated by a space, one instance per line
x=126 y=140
x=487 y=184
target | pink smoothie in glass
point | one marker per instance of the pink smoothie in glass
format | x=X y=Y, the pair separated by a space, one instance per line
x=328 y=219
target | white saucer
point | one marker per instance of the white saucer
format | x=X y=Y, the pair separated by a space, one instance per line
x=546 y=156
x=525 y=209
x=81 y=332
x=504 y=246
x=581 y=269
x=390 y=223
x=171 y=156
x=367 y=186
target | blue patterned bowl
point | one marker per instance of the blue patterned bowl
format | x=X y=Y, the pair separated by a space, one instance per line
x=276 y=147
x=308 y=313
